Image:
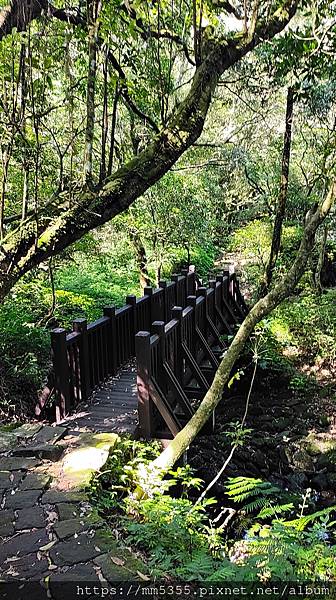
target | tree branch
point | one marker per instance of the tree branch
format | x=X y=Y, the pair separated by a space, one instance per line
x=262 y=308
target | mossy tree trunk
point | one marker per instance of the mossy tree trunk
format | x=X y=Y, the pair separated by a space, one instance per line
x=282 y=199
x=261 y=309
x=60 y=223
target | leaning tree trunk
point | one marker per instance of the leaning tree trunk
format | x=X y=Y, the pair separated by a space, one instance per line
x=282 y=200
x=141 y=257
x=262 y=308
x=320 y=261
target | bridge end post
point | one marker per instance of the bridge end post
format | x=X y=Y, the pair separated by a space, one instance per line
x=179 y=366
x=61 y=368
x=110 y=312
x=80 y=325
x=145 y=405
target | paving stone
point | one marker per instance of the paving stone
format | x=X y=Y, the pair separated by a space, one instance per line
x=9 y=480
x=67 y=511
x=6 y=530
x=23 y=544
x=45 y=451
x=7 y=440
x=16 y=463
x=55 y=497
x=6 y=523
x=26 y=567
x=119 y=572
x=80 y=549
x=35 y=481
x=26 y=431
x=30 y=517
x=22 y=499
x=63 y=586
x=6 y=516
x=65 y=529
x=50 y=434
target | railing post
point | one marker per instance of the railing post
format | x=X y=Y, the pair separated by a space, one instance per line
x=80 y=325
x=179 y=363
x=145 y=405
x=192 y=301
x=202 y=292
x=148 y=291
x=163 y=286
x=174 y=279
x=109 y=311
x=132 y=301
x=61 y=368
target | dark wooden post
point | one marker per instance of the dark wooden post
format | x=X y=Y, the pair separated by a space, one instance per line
x=192 y=301
x=158 y=328
x=109 y=311
x=61 y=368
x=80 y=325
x=220 y=278
x=179 y=361
x=145 y=405
x=132 y=301
x=163 y=286
x=202 y=292
x=148 y=291
x=174 y=279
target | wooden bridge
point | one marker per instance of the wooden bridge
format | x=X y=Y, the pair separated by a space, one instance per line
x=168 y=342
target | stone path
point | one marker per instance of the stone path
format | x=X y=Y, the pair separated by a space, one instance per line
x=50 y=534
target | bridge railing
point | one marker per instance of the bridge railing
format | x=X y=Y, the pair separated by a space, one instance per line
x=177 y=360
x=87 y=356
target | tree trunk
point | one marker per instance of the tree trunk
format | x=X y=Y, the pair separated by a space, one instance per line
x=141 y=257
x=93 y=10
x=262 y=308
x=282 y=200
x=320 y=262
x=60 y=225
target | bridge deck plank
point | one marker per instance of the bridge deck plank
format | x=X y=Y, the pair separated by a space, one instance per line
x=112 y=407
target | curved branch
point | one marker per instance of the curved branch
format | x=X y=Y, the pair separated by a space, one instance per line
x=59 y=226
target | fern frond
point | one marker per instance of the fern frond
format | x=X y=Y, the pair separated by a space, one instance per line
x=301 y=523
x=274 y=511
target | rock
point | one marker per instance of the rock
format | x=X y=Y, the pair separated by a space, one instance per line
x=6 y=530
x=81 y=549
x=319 y=482
x=27 y=431
x=120 y=565
x=65 y=529
x=67 y=511
x=16 y=463
x=86 y=457
x=332 y=481
x=7 y=440
x=6 y=523
x=23 y=544
x=63 y=586
x=22 y=499
x=49 y=435
x=53 y=496
x=25 y=568
x=297 y=481
x=30 y=517
x=35 y=481
x=44 y=451
x=9 y=480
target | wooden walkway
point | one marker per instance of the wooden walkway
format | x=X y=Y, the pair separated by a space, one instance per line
x=112 y=407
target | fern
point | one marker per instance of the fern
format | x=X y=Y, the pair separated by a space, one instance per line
x=275 y=511
x=243 y=488
x=301 y=523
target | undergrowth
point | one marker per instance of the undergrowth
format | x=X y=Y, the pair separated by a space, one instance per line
x=286 y=538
